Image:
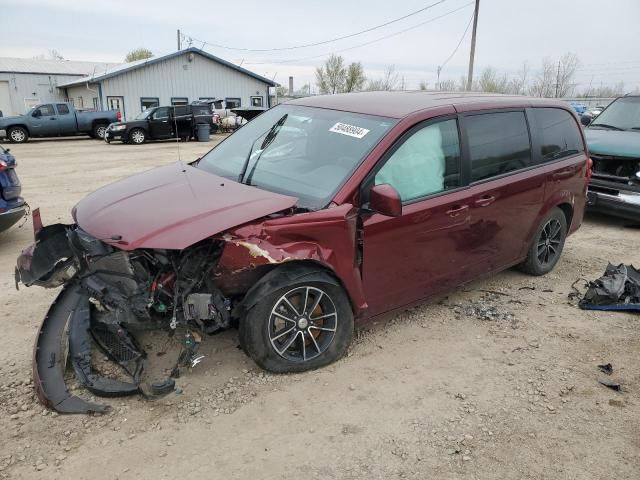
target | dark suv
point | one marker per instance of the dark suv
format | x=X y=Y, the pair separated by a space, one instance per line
x=161 y=123
x=318 y=213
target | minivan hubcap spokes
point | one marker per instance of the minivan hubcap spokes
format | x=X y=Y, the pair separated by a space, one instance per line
x=302 y=324
x=549 y=242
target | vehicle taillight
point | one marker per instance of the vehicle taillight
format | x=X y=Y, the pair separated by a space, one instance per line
x=119 y=116
x=589 y=168
x=3 y=166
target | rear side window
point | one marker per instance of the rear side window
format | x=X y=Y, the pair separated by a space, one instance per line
x=62 y=109
x=425 y=163
x=498 y=144
x=557 y=133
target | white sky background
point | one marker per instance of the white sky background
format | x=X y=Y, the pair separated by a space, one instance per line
x=603 y=33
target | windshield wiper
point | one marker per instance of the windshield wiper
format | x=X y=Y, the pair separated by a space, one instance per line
x=268 y=140
x=604 y=125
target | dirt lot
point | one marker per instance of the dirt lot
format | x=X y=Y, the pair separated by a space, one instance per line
x=497 y=381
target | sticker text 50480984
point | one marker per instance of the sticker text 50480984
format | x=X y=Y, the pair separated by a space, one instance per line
x=350 y=130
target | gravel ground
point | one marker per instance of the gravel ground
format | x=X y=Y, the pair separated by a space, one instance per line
x=498 y=380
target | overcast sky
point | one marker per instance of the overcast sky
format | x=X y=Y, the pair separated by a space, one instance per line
x=602 y=33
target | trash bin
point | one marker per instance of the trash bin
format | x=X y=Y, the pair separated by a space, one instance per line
x=203 y=132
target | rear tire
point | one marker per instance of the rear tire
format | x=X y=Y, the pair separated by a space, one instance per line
x=281 y=339
x=137 y=136
x=18 y=134
x=547 y=244
x=99 y=131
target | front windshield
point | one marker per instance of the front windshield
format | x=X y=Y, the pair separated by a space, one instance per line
x=299 y=151
x=623 y=114
x=143 y=115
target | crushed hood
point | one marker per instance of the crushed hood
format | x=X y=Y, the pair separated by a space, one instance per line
x=613 y=142
x=172 y=207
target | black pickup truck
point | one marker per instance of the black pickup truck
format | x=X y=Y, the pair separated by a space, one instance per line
x=159 y=123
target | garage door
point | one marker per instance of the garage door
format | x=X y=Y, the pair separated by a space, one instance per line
x=5 y=100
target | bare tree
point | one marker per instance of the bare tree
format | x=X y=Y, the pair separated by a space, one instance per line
x=544 y=83
x=331 y=76
x=491 y=81
x=448 y=85
x=518 y=85
x=55 y=54
x=389 y=81
x=604 y=91
x=423 y=85
x=138 y=54
x=355 y=78
x=566 y=73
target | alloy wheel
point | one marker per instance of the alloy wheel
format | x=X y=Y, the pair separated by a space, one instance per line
x=549 y=242
x=17 y=135
x=137 y=137
x=100 y=131
x=302 y=324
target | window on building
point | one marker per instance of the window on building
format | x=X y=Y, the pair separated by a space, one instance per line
x=44 y=111
x=206 y=99
x=498 y=143
x=63 y=109
x=257 y=101
x=149 y=102
x=557 y=133
x=426 y=162
x=233 y=102
x=96 y=103
x=179 y=101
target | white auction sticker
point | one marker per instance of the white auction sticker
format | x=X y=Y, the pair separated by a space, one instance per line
x=351 y=130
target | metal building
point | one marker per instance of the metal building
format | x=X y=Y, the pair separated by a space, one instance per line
x=28 y=82
x=178 y=78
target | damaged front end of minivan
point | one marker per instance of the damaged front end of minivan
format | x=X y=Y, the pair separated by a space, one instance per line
x=106 y=293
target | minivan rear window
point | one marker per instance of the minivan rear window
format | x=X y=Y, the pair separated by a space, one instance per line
x=557 y=133
x=498 y=143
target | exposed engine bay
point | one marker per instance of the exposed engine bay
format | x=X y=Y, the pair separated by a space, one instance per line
x=107 y=294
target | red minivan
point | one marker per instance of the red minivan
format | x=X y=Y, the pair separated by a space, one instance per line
x=320 y=212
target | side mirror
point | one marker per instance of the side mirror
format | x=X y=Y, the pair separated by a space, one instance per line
x=385 y=200
x=585 y=120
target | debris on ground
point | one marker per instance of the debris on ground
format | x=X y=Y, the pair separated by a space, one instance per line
x=611 y=384
x=607 y=368
x=617 y=289
x=487 y=308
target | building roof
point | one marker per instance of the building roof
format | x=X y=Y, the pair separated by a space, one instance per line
x=127 y=67
x=399 y=104
x=49 y=67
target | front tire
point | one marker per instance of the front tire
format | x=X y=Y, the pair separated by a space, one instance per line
x=301 y=326
x=99 y=131
x=547 y=244
x=137 y=136
x=18 y=135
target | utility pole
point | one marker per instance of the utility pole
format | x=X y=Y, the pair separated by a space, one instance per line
x=179 y=46
x=558 y=79
x=473 y=45
x=438 y=81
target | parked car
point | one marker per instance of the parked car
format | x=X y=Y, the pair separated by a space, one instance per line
x=580 y=108
x=161 y=123
x=12 y=205
x=57 y=120
x=319 y=212
x=614 y=145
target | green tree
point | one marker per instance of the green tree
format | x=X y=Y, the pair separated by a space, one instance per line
x=354 y=79
x=138 y=54
x=331 y=76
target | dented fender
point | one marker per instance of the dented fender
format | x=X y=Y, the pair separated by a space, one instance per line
x=327 y=237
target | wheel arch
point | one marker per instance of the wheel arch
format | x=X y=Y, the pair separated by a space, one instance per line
x=290 y=271
x=22 y=125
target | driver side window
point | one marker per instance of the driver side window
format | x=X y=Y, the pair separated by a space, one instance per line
x=161 y=114
x=426 y=162
x=44 y=111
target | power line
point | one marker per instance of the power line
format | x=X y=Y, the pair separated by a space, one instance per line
x=376 y=27
x=366 y=43
x=459 y=43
